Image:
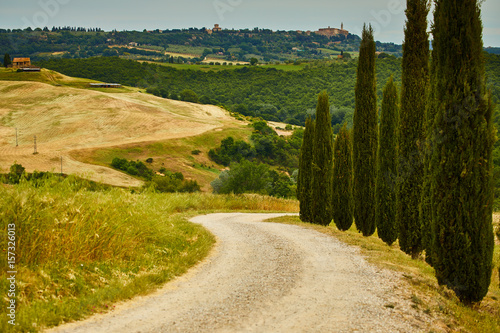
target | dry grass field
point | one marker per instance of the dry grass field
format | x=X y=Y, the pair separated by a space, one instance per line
x=66 y=117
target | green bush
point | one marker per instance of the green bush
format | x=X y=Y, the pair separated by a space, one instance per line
x=15 y=174
x=254 y=177
x=132 y=171
x=133 y=168
x=174 y=182
x=187 y=95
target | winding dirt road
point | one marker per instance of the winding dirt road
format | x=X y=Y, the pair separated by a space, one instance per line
x=269 y=277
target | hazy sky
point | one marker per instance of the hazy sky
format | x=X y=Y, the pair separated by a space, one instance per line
x=386 y=16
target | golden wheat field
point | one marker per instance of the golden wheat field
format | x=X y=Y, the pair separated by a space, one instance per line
x=65 y=119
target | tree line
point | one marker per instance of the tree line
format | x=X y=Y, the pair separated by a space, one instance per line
x=267 y=164
x=423 y=175
x=274 y=95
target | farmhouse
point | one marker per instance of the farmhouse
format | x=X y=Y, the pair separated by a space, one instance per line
x=21 y=62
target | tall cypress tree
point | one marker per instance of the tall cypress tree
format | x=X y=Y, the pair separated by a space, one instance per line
x=462 y=138
x=386 y=185
x=6 y=60
x=304 y=181
x=322 y=163
x=365 y=136
x=415 y=82
x=343 y=202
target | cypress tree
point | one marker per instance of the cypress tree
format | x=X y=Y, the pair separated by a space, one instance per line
x=304 y=181
x=365 y=136
x=498 y=236
x=386 y=185
x=462 y=138
x=343 y=202
x=415 y=82
x=6 y=60
x=322 y=163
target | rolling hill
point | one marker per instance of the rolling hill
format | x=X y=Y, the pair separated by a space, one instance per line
x=70 y=120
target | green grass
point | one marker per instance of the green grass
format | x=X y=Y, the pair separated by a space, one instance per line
x=439 y=302
x=79 y=251
x=187 y=50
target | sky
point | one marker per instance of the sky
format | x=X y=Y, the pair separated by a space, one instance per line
x=386 y=16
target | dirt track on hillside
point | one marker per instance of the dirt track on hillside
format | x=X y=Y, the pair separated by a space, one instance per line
x=67 y=119
x=268 y=277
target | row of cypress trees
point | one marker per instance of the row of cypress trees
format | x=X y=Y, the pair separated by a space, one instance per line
x=324 y=187
x=430 y=183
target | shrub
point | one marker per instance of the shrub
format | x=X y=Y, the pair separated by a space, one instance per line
x=187 y=95
x=15 y=174
x=244 y=177
x=131 y=170
x=174 y=182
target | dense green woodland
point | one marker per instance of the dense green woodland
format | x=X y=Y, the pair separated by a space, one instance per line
x=266 y=92
x=272 y=94
x=264 y=44
x=288 y=96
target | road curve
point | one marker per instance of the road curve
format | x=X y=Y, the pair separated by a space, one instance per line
x=268 y=277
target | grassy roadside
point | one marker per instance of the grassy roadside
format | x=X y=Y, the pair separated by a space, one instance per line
x=79 y=251
x=439 y=302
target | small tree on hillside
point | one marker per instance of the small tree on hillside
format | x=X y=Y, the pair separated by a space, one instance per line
x=304 y=181
x=365 y=136
x=6 y=60
x=322 y=166
x=16 y=173
x=188 y=95
x=343 y=202
x=385 y=191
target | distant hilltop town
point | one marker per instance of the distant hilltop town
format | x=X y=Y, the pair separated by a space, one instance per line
x=329 y=32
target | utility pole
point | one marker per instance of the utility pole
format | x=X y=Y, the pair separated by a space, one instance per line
x=34 y=139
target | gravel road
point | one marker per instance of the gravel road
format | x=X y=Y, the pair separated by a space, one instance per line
x=269 y=277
